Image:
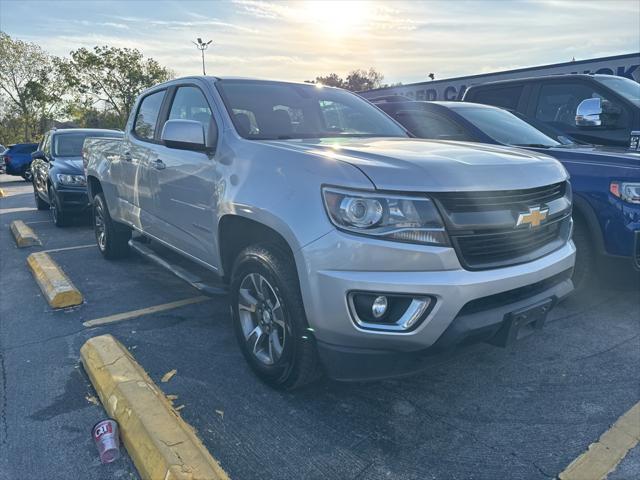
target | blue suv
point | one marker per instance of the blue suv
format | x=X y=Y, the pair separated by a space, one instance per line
x=17 y=159
x=605 y=181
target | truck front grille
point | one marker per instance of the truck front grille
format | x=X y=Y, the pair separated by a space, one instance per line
x=491 y=250
x=474 y=201
x=482 y=225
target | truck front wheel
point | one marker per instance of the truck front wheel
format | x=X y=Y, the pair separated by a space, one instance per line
x=269 y=318
x=112 y=237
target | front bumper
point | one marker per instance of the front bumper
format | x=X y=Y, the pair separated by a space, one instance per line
x=380 y=266
x=73 y=199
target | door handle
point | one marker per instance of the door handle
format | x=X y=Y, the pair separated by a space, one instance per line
x=126 y=156
x=159 y=164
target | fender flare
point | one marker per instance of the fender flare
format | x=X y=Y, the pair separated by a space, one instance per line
x=585 y=210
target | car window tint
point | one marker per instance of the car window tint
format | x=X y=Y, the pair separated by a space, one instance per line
x=427 y=125
x=189 y=103
x=557 y=103
x=147 y=116
x=506 y=97
x=274 y=110
x=46 y=147
x=24 y=148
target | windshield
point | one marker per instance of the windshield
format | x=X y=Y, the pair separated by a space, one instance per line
x=505 y=127
x=272 y=110
x=70 y=144
x=622 y=86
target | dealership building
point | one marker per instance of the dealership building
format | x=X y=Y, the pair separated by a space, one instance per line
x=627 y=65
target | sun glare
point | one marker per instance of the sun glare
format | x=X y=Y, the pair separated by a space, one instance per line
x=338 y=18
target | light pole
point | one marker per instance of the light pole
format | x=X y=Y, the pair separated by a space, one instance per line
x=202 y=46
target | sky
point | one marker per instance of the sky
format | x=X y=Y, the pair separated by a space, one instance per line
x=405 y=40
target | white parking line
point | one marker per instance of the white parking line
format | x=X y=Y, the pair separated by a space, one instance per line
x=144 y=311
x=69 y=248
x=4 y=211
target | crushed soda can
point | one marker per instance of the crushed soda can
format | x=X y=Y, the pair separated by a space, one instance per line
x=105 y=434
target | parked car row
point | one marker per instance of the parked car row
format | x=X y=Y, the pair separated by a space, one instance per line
x=605 y=181
x=355 y=239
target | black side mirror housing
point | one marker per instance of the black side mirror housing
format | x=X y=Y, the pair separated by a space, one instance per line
x=39 y=155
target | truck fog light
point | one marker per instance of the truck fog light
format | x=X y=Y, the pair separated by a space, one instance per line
x=379 y=307
x=388 y=311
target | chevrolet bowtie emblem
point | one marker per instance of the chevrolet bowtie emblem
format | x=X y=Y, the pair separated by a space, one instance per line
x=533 y=217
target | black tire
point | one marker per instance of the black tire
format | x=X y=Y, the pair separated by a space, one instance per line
x=115 y=242
x=583 y=272
x=298 y=363
x=60 y=217
x=40 y=204
x=27 y=175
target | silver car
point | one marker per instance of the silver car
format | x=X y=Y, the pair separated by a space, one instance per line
x=348 y=247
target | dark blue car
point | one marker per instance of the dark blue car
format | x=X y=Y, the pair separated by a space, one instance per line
x=17 y=159
x=59 y=183
x=606 y=182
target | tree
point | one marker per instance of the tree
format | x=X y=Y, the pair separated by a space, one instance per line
x=29 y=84
x=113 y=76
x=356 y=80
x=359 y=80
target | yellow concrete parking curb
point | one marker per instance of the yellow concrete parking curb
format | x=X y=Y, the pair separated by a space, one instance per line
x=162 y=445
x=24 y=236
x=55 y=285
x=602 y=457
x=2 y=194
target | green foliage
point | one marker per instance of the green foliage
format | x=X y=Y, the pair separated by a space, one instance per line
x=93 y=88
x=113 y=76
x=356 y=80
x=30 y=89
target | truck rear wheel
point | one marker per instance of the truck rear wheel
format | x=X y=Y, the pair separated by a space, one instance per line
x=269 y=318
x=112 y=237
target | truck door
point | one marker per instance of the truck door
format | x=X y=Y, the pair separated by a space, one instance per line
x=139 y=149
x=185 y=200
x=556 y=103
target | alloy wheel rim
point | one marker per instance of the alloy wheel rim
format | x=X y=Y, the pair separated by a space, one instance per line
x=262 y=319
x=100 y=230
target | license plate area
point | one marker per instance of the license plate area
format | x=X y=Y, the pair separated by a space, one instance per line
x=522 y=323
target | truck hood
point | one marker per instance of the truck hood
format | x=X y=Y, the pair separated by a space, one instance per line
x=408 y=164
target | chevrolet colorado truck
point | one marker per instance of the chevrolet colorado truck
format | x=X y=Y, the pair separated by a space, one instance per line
x=348 y=247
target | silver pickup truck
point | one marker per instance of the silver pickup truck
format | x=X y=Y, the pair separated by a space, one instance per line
x=347 y=247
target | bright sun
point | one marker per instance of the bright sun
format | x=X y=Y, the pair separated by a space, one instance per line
x=338 y=18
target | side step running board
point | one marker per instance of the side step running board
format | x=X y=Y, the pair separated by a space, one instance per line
x=189 y=277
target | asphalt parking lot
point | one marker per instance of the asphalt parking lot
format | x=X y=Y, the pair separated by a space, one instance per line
x=486 y=413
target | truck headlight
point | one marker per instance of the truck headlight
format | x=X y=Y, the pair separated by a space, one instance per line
x=73 y=180
x=627 y=191
x=385 y=216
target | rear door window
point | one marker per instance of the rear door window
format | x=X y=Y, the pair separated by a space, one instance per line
x=147 y=116
x=25 y=148
x=506 y=97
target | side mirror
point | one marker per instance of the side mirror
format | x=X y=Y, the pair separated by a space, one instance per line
x=39 y=155
x=588 y=113
x=184 y=135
